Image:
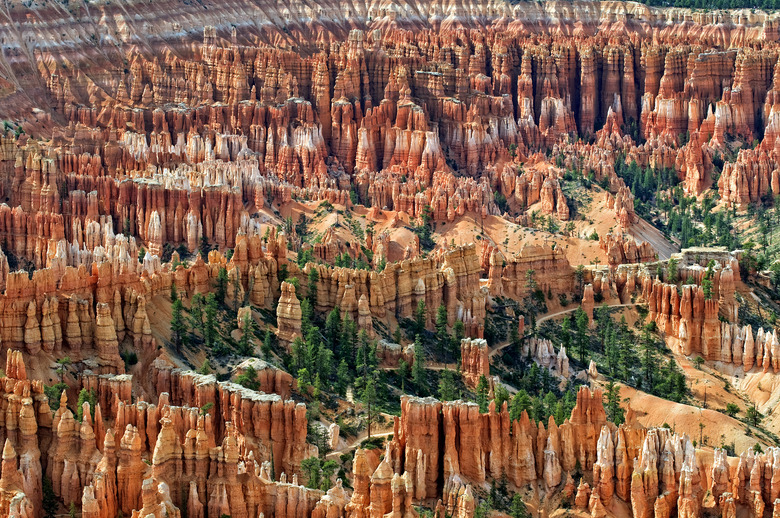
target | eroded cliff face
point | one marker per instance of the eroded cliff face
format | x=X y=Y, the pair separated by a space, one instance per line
x=182 y=133
x=179 y=453
x=150 y=128
x=445 y=450
x=206 y=447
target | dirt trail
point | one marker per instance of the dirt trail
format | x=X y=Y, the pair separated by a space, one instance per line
x=563 y=312
x=355 y=443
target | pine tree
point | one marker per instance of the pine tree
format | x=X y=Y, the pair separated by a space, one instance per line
x=366 y=362
x=418 y=367
x=332 y=330
x=447 y=390
x=50 y=502
x=648 y=361
x=443 y=338
x=566 y=332
x=86 y=396
x=518 y=509
x=501 y=394
x=221 y=285
x=205 y=248
x=458 y=334
x=266 y=347
x=581 y=321
x=324 y=360
x=348 y=340
x=420 y=317
x=314 y=278
x=174 y=293
x=521 y=401
x=343 y=378
x=615 y=412
x=245 y=343
x=248 y=378
x=307 y=318
x=178 y=326
x=236 y=287
x=753 y=416
x=205 y=368
x=196 y=311
x=482 y=394
x=210 y=324
x=368 y=397
x=612 y=353
x=671 y=271
x=626 y=358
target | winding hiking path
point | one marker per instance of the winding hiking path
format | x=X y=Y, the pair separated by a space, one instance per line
x=548 y=316
x=355 y=443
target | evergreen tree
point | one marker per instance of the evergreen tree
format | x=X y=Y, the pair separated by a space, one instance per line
x=332 y=330
x=521 y=401
x=615 y=412
x=420 y=316
x=447 y=390
x=325 y=362
x=307 y=319
x=648 y=361
x=318 y=472
x=706 y=284
x=248 y=378
x=753 y=416
x=343 y=378
x=221 y=285
x=49 y=503
x=482 y=394
x=612 y=353
x=443 y=338
x=397 y=337
x=566 y=332
x=210 y=324
x=418 y=367
x=671 y=271
x=86 y=396
x=178 y=326
x=205 y=248
x=174 y=293
x=245 y=342
x=368 y=397
x=626 y=357
x=458 y=334
x=403 y=371
x=314 y=278
x=266 y=347
x=500 y=396
x=236 y=286
x=348 y=339
x=518 y=509
x=581 y=321
x=196 y=311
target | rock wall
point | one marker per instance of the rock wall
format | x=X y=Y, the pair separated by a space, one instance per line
x=623 y=249
x=274 y=429
x=508 y=276
x=440 y=450
x=145 y=459
x=474 y=360
x=189 y=144
x=448 y=277
x=688 y=319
